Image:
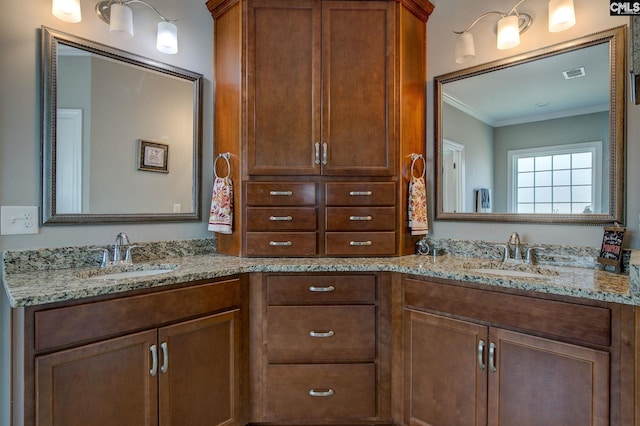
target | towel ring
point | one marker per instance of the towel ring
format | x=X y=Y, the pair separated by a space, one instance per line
x=414 y=159
x=225 y=156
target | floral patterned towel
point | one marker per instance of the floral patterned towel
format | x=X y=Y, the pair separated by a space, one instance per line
x=221 y=217
x=418 y=206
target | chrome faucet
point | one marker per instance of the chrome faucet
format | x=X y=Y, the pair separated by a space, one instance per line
x=514 y=241
x=121 y=240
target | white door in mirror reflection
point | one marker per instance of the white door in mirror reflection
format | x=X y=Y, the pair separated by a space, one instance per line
x=69 y=160
x=452 y=176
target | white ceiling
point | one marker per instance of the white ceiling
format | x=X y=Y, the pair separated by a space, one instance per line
x=510 y=95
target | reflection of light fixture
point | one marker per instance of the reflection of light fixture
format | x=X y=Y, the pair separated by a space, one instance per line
x=67 y=10
x=511 y=25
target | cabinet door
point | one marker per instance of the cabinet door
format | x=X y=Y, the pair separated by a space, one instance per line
x=357 y=83
x=284 y=87
x=104 y=383
x=543 y=382
x=445 y=374
x=199 y=371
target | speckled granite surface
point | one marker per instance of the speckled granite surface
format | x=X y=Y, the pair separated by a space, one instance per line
x=38 y=284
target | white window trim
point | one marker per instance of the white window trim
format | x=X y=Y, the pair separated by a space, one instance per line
x=595 y=147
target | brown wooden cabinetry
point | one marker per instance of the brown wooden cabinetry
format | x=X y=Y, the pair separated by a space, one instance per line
x=323 y=359
x=169 y=357
x=475 y=357
x=335 y=92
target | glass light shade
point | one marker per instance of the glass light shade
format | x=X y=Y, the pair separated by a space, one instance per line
x=464 y=48
x=508 y=32
x=167 y=40
x=67 y=10
x=562 y=15
x=121 y=20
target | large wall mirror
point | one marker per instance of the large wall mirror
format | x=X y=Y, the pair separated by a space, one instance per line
x=539 y=137
x=121 y=135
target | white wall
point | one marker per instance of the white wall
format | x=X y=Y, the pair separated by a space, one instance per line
x=20 y=23
x=591 y=16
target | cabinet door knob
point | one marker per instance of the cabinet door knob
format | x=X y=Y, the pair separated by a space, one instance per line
x=481 y=365
x=165 y=357
x=329 y=333
x=154 y=360
x=325 y=289
x=328 y=392
x=492 y=357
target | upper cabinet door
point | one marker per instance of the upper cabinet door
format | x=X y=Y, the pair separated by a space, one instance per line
x=284 y=87
x=290 y=93
x=357 y=83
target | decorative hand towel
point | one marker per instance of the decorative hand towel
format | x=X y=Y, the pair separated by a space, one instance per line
x=221 y=217
x=417 y=208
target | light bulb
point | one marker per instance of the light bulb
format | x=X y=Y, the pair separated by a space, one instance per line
x=562 y=15
x=67 y=10
x=167 y=40
x=121 y=20
x=508 y=32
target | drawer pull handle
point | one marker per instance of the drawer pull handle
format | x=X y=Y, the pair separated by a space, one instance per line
x=360 y=243
x=324 y=154
x=329 y=333
x=165 y=357
x=317 y=161
x=328 y=288
x=481 y=365
x=154 y=360
x=360 y=193
x=328 y=392
x=492 y=357
x=280 y=243
x=362 y=218
x=283 y=193
x=280 y=218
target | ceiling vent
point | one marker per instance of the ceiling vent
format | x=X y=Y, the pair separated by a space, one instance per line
x=574 y=73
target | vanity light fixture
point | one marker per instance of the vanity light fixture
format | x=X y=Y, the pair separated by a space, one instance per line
x=119 y=15
x=511 y=24
x=67 y=10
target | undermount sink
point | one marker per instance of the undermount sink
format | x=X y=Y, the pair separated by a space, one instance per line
x=506 y=269
x=127 y=271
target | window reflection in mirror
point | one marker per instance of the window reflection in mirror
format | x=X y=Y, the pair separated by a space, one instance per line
x=534 y=138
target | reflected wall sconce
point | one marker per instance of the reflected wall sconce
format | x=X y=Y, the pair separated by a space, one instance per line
x=511 y=25
x=119 y=15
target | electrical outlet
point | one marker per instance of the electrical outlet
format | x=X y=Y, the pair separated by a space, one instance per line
x=16 y=220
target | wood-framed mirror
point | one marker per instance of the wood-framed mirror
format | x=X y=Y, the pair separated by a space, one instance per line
x=121 y=135
x=538 y=137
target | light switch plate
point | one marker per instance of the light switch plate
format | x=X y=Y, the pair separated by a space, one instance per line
x=18 y=220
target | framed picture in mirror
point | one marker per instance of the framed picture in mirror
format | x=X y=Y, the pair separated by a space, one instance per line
x=153 y=157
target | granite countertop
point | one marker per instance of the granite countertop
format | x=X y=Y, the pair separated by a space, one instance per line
x=35 y=287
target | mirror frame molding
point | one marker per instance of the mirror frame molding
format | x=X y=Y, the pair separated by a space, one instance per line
x=50 y=39
x=617 y=39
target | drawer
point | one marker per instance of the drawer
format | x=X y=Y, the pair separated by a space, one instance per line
x=321 y=333
x=281 y=243
x=297 y=289
x=321 y=392
x=360 y=218
x=281 y=193
x=360 y=193
x=589 y=324
x=281 y=218
x=86 y=322
x=360 y=243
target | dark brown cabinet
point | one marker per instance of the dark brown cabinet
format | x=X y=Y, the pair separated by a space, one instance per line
x=320 y=92
x=166 y=357
x=475 y=356
x=465 y=373
x=323 y=359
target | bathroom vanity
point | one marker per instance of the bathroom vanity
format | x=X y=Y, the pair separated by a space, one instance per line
x=411 y=340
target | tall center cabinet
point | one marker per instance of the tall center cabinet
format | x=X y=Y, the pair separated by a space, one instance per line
x=320 y=104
